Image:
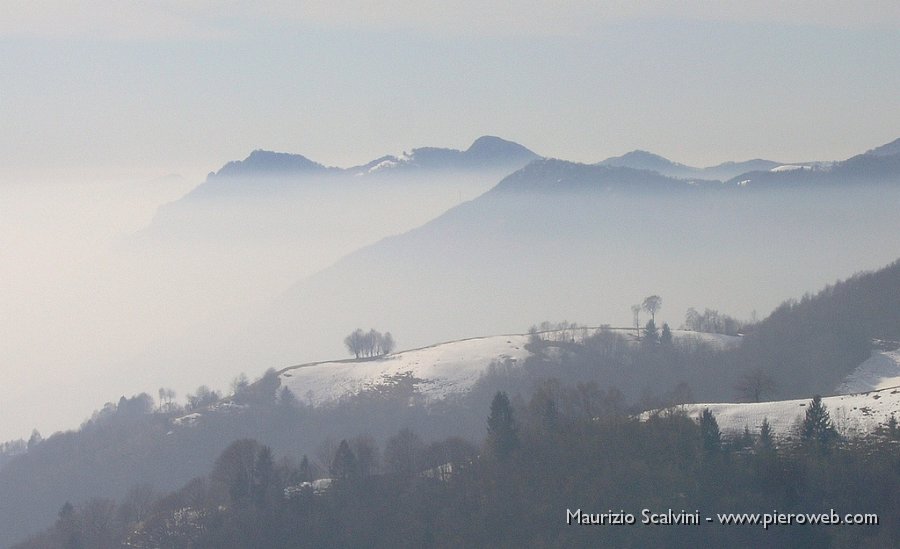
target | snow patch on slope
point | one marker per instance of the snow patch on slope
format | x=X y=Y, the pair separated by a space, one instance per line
x=722 y=341
x=880 y=371
x=384 y=165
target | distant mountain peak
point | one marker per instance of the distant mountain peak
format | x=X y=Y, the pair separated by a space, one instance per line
x=269 y=163
x=642 y=160
x=486 y=152
x=489 y=146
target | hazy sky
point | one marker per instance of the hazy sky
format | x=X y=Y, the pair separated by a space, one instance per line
x=143 y=89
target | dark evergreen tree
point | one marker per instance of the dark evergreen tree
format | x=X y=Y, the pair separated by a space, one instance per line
x=36 y=438
x=665 y=337
x=549 y=415
x=287 y=399
x=403 y=453
x=503 y=436
x=892 y=428
x=234 y=469
x=365 y=448
x=817 y=429
x=765 y=440
x=709 y=432
x=651 y=334
x=263 y=477
x=746 y=440
x=304 y=474
x=343 y=466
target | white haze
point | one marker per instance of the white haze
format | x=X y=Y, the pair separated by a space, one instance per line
x=59 y=292
x=87 y=289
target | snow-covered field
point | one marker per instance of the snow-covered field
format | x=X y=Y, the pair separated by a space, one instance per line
x=441 y=370
x=851 y=413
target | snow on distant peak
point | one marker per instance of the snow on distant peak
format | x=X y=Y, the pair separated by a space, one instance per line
x=383 y=165
x=789 y=168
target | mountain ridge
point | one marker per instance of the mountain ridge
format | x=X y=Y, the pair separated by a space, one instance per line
x=645 y=160
x=488 y=152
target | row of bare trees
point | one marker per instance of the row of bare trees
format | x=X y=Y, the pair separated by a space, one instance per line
x=369 y=344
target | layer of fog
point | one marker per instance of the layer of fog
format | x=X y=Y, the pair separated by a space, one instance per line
x=58 y=292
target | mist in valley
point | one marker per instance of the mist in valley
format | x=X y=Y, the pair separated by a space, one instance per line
x=102 y=279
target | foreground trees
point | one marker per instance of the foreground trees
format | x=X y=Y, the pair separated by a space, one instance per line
x=450 y=494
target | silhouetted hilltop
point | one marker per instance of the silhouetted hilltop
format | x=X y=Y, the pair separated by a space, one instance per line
x=643 y=160
x=553 y=175
x=268 y=163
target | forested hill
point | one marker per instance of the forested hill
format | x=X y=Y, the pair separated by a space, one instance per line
x=810 y=345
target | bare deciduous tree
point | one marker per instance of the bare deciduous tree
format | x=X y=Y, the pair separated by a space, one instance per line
x=652 y=304
x=756 y=385
x=636 y=311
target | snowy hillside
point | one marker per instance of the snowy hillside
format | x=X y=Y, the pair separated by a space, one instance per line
x=851 y=414
x=438 y=371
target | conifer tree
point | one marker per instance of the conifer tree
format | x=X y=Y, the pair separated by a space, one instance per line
x=503 y=435
x=343 y=466
x=651 y=335
x=765 y=440
x=710 y=435
x=817 y=428
x=665 y=337
x=305 y=471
